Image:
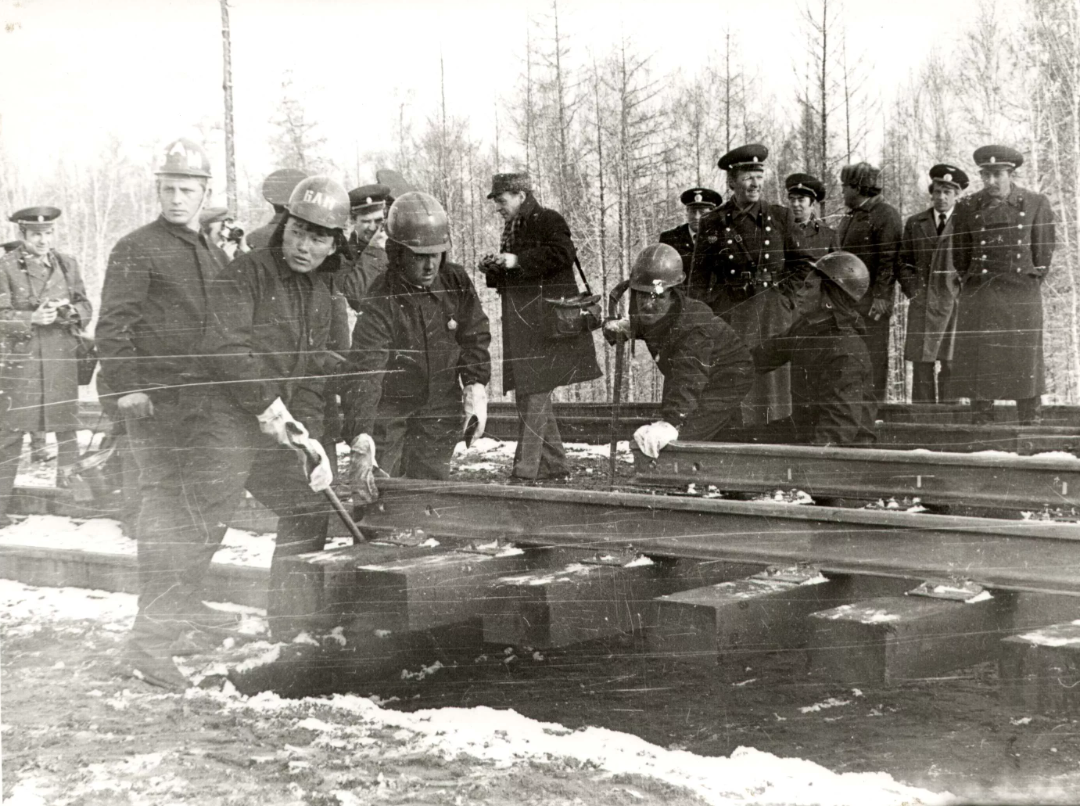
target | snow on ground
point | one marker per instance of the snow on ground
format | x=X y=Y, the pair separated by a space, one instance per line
x=107 y=537
x=491 y=454
x=353 y=727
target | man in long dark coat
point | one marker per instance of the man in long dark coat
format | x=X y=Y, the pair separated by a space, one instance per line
x=872 y=231
x=153 y=312
x=741 y=270
x=536 y=262
x=928 y=278
x=43 y=308
x=1003 y=242
x=697 y=202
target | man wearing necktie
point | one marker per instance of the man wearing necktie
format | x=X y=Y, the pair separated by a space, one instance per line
x=928 y=278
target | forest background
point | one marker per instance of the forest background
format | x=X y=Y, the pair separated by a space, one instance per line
x=611 y=140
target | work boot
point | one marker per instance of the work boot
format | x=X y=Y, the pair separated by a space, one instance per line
x=203 y=617
x=150 y=660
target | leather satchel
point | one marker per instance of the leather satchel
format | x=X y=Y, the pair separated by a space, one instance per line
x=567 y=318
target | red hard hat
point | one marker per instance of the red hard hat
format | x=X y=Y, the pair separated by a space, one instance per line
x=418 y=222
x=321 y=201
x=184 y=157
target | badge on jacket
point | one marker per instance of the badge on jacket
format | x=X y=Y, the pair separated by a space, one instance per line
x=451 y=325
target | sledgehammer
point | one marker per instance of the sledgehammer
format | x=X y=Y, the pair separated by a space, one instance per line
x=307 y=457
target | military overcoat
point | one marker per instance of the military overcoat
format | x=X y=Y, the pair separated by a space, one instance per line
x=928 y=278
x=37 y=364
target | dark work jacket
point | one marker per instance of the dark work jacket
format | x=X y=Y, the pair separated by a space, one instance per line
x=153 y=308
x=415 y=348
x=267 y=334
x=873 y=233
x=831 y=395
x=545 y=253
x=737 y=256
x=699 y=356
x=259 y=238
x=1002 y=250
x=683 y=242
x=356 y=279
x=38 y=378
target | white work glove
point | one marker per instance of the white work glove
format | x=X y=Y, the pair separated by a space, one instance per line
x=476 y=402
x=362 y=466
x=508 y=260
x=616 y=331
x=654 y=437
x=276 y=422
x=321 y=474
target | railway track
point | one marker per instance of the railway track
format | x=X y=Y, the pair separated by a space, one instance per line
x=988 y=481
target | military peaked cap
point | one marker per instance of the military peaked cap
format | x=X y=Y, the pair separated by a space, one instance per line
x=512 y=183
x=701 y=196
x=805 y=185
x=212 y=214
x=995 y=156
x=751 y=156
x=950 y=175
x=368 y=199
x=35 y=217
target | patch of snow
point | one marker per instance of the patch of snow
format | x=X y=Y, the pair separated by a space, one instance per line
x=638 y=562
x=265 y=659
x=832 y=702
x=426 y=671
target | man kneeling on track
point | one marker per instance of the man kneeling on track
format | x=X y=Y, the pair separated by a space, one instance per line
x=831 y=381
x=706 y=367
x=258 y=426
x=419 y=355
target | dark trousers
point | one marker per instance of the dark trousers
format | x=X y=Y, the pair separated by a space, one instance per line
x=229 y=455
x=925 y=388
x=418 y=444
x=540 y=452
x=876 y=340
x=11 y=444
x=1027 y=411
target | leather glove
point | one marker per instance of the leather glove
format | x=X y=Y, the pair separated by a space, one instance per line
x=362 y=466
x=654 y=437
x=475 y=398
x=321 y=474
x=617 y=331
x=45 y=314
x=276 y=422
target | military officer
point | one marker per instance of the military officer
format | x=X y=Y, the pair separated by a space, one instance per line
x=811 y=236
x=43 y=310
x=872 y=230
x=368 y=206
x=419 y=353
x=739 y=269
x=928 y=278
x=153 y=311
x=697 y=202
x=276 y=189
x=1003 y=242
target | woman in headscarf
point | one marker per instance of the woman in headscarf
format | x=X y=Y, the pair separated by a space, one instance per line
x=831 y=378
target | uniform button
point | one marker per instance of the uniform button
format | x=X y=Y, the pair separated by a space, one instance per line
x=1021 y=213
x=982 y=243
x=731 y=241
x=766 y=255
x=1018 y=255
x=731 y=257
x=766 y=243
x=984 y=271
x=768 y=229
x=984 y=257
x=733 y=271
x=727 y=229
x=1020 y=242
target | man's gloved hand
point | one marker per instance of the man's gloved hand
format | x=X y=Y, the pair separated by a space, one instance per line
x=362 y=466
x=276 y=422
x=45 y=314
x=508 y=260
x=475 y=400
x=135 y=406
x=616 y=331
x=321 y=474
x=654 y=437
x=879 y=308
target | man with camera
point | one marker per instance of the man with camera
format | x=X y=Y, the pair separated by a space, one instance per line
x=536 y=263
x=218 y=227
x=43 y=310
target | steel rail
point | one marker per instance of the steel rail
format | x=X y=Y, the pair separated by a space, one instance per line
x=997 y=481
x=1011 y=555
